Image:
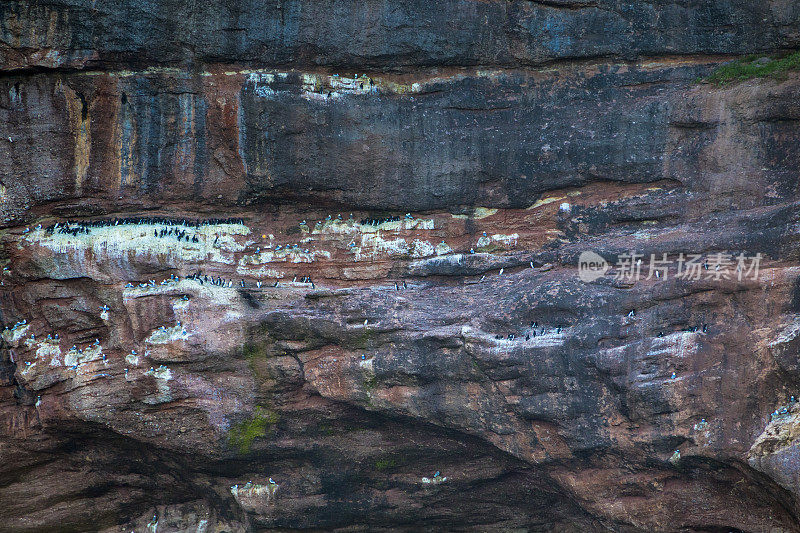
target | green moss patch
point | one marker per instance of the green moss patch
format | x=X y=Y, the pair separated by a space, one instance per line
x=256 y=356
x=362 y=342
x=242 y=435
x=754 y=66
x=385 y=464
x=252 y=351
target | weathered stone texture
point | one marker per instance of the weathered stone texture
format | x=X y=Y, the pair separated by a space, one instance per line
x=525 y=132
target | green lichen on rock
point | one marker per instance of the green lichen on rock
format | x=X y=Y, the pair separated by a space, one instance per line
x=242 y=435
x=385 y=464
x=256 y=355
x=754 y=66
x=364 y=339
x=251 y=351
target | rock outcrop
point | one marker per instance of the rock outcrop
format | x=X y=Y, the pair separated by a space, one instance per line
x=293 y=264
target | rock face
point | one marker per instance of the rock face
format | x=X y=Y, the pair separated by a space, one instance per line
x=278 y=264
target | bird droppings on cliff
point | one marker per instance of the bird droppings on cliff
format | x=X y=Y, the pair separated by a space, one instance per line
x=435 y=480
x=675 y=458
x=152 y=526
x=779 y=413
x=250 y=492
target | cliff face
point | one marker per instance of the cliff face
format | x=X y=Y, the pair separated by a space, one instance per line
x=420 y=179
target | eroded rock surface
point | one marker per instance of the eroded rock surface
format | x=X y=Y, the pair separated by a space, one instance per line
x=293 y=264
